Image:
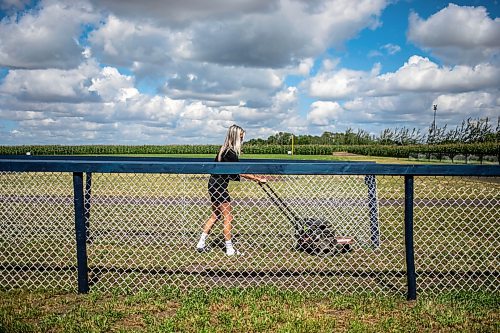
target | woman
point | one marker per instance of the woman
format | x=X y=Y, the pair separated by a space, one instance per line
x=219 y=195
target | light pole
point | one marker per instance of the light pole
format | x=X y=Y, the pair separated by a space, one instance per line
x=434 y=123
x=435 y=107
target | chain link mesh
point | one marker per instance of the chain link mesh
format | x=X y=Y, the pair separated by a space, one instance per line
x=143 y=230
x=37 y=237
x=457 y=233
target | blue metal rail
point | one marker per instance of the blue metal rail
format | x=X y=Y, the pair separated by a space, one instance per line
x=208 y=166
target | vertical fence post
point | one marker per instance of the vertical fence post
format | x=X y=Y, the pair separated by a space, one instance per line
x=373 y=207
x=88 y=188
x=409 y=248
x=81 y=245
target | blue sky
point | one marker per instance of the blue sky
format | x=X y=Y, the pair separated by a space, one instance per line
x=182 y=71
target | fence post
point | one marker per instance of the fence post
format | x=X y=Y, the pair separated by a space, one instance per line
x=81 y=245
x=373 y=207
x=409 y=248
x=88 y=188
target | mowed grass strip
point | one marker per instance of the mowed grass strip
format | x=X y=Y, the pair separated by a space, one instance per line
x=245 y=310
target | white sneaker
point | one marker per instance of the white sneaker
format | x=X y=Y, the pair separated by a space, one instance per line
x=233 y=252
x=201 y=247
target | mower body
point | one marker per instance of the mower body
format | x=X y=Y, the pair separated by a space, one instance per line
x=315 y=237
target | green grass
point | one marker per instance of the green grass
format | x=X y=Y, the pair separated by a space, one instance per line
x=244 y=310
x=354 y=158
x=334 y=157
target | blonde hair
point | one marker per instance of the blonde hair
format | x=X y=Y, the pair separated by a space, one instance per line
x=232 y=141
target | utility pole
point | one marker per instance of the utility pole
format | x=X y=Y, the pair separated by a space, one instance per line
x=434 y=124
x=435 y=107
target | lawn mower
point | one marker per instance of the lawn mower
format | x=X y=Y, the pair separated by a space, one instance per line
x=314 y=236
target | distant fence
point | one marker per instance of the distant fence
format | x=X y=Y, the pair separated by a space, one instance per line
x=102 y=223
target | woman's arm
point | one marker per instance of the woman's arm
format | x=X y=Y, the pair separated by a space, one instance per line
x=257 y=178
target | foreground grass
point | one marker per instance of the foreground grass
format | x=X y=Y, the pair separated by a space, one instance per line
x=244 y=310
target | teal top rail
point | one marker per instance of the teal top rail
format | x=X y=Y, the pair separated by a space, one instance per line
x=106 y=164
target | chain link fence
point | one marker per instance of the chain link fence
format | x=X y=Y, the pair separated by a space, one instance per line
x=142 y=231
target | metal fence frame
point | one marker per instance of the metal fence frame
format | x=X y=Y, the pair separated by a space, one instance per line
x=88 y=165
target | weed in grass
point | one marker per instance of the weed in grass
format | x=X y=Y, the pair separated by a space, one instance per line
x=94 y=296
x=170 y=293
x=168 y=325
x=357 y=326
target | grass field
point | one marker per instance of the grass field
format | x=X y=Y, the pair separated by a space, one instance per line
x=244 y=310
x=137 y=222
x=337 y=157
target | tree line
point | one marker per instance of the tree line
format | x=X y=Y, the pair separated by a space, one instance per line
x=471 y=130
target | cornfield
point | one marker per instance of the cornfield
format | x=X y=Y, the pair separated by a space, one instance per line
x=451 y=151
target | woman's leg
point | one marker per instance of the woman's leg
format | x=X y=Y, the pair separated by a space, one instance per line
x=228 y=219
x=225 y=209
x=216 y=212
x=208 y=226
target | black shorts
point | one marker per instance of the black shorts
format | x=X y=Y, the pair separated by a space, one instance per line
x=217 y=189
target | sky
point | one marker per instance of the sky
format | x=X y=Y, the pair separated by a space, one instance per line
x=76 y=72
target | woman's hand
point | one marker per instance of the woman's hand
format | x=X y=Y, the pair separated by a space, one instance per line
x=256 y=178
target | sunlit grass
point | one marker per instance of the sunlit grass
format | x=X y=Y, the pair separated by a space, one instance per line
x=244 y=310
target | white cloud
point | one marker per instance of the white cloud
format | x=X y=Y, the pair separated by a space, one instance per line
x=338 y=84
x=324 y=113
x=418 y=74
x=116 y=71
x=110 y=85
x=267 y=34
x=50 y=85
x=181 y=13
x=391 y=49
x=10 y=4
x=280 y=38
x=45 y=38
x=142 y=47
x=222 y=85
x=374 y=53
x=458 y=34
x=421 y=74
x=374 y=100
x=464 y=104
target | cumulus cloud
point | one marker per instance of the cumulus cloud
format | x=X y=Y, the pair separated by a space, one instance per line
x=110 y=85
x=291 y=33
x=268 y=34
x=415 y=109
x=46 y=37
x=421 y=74
x=182 y=71
x=223 y=85
x=418 y=74
x=464 y=104
x=400 y=97
x=331 y=83
x=101 y=104
x=324 y=113
x=142 y=47
x=50 y=85
x=181 y=13
x=13 y=4
x=458 y=34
